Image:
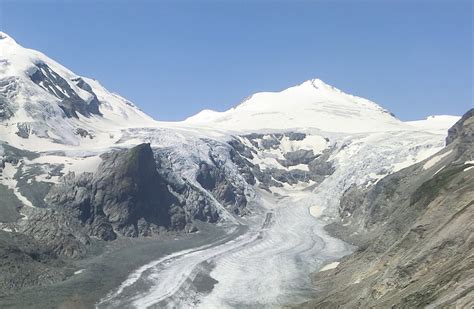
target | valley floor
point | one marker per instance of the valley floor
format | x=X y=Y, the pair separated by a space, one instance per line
x=93 y=277
x=267 y=266
x=264 y=262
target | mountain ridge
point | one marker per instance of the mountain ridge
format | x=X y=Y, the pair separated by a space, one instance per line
x=311 y=104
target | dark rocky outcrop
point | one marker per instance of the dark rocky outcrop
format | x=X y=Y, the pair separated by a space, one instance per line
x=84 y=133
x=215 y=180
x=70 y=102
x=321 y=166
x=126 y=196
x=462 y=129
x=318 y=166
x=23 y=130
x=300 y=156
x=10 y=205
x=414 y=231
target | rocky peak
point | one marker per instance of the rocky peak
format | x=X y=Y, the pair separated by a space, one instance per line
x=126 y=195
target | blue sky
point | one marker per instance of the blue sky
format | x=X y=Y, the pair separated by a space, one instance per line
x=175 y=58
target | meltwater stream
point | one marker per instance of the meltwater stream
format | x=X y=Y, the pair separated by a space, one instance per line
x=267 y=266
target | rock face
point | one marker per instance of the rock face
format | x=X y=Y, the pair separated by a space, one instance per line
x=126 y=196
x=280 y=158
x=196 y=205
x=462 y=129
x=214 y=179
x=71 y=102
x=414 y=232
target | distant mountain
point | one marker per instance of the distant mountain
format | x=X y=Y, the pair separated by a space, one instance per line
x=313 y=104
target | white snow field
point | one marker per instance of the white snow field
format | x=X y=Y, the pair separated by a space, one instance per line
x=313 y=104
x=265 y=258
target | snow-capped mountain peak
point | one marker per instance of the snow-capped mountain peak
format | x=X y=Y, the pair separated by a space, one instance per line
x=43 y=102
x=40 y=98
x=6 y=37
x=312 y=104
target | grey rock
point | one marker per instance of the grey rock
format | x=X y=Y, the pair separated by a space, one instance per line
x=23 y=130
x=71 y=102
x=295 y=136
x=300 y=156
x=9 y=205
x=318 y=164
x=59 y=231
x=25 y=263
x=126 y=195
x=462 y=129
x=214 y=179
x=84 y=133
x=414 y=232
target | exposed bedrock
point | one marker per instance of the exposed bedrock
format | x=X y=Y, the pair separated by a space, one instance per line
x=414 y=231
x=70 y=101
x=214 y=180
x=227 y=176
x=300 y=165
x=197 y=205
x=300 y=156
x=463 y=129
x=126 y=195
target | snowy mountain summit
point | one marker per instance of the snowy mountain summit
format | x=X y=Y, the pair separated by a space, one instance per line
x=44 y=103
x=312 y=104
x=41 y=99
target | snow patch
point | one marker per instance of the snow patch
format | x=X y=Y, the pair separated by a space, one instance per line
x=437 y=123
x=8 y=179
x=77 y=165
x=330 y=266
x=315 y=211
x=435 y=160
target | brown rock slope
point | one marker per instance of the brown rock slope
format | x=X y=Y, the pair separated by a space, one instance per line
x=415 y=233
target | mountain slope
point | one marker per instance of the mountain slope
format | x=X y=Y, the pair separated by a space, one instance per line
x=313 y=104
x=414 y=230
x=42 y=102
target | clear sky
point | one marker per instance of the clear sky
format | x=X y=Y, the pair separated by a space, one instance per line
x=175 y=58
